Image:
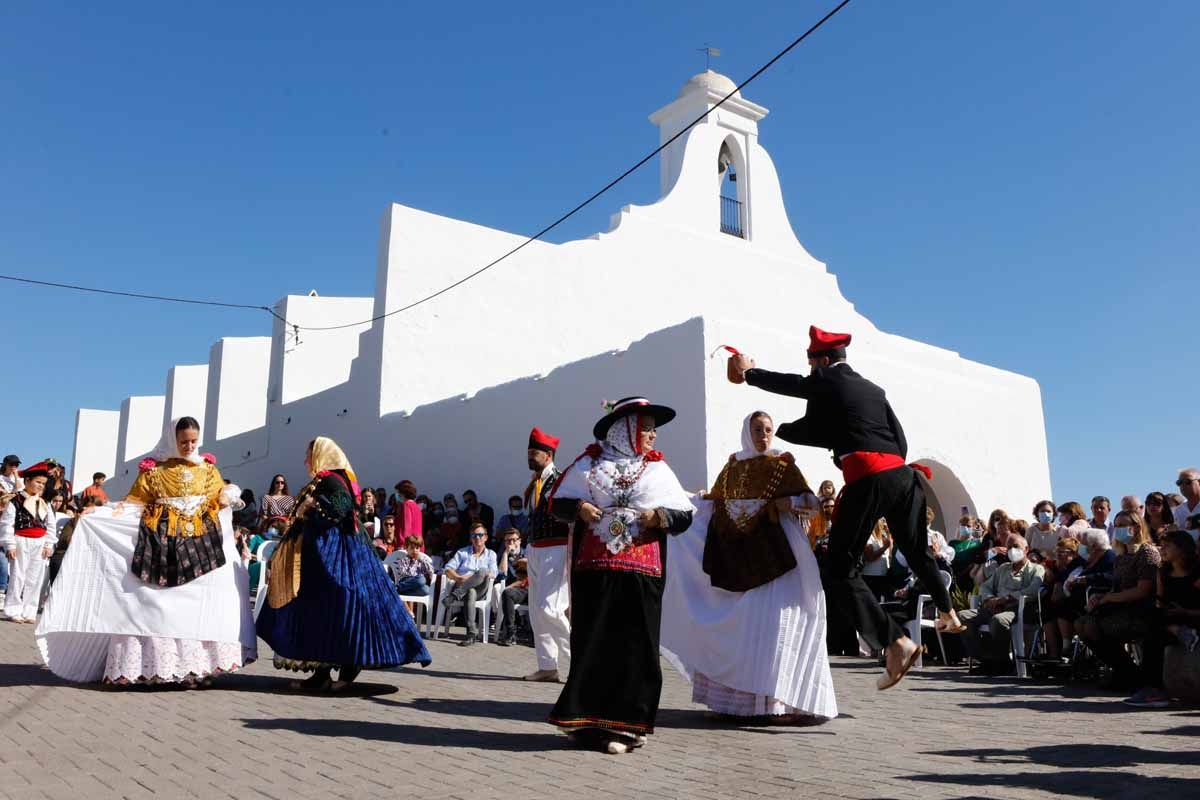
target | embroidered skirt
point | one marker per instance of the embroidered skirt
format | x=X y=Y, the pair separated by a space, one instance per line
x=346 y=611
x=615 y=679
x=174 y=560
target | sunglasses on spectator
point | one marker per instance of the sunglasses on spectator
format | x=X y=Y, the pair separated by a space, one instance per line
x=1185 y=481
x=478 y=535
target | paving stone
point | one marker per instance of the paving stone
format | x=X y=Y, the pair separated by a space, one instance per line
x=468 y=722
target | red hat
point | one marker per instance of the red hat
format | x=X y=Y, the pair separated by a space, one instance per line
x=38 y=470
x=820 y=341
x=540 y=440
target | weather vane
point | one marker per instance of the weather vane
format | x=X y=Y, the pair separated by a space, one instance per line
x=709 y=54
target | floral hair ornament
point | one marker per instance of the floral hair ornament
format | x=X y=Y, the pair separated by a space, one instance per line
x=210 y=458
x=147 y=464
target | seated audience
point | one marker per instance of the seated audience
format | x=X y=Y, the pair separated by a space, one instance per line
x=1123 y=615
x=516 y=517
x=1187 y=513
x=1176 y=619
x=516 y=590
x=998 y=597
x=877 y=561
x=472 y=570
x=413 y=570
x=1158 y=515
x=1071 y=520
x=1043 y=533
x=388 y=541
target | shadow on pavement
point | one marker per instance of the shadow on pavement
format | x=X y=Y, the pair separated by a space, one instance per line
x=1074 y=770
x=423 y=735
x=29 y=675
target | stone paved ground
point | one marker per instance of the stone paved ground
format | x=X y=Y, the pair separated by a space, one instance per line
x=465 y=728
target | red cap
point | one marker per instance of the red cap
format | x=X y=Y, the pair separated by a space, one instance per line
x=820 y=341
x=540 y=440
x=38 y=470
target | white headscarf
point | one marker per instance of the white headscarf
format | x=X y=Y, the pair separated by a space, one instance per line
x=748 y=449
x=167 y=446
x=621 y=440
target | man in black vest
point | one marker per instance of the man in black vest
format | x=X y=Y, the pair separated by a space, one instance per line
x=851 y=416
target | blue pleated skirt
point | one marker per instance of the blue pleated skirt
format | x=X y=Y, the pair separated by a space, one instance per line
x=346 y=613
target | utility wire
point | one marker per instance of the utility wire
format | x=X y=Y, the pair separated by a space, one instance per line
x=588 y=201
x=137 y=295
x=535 y=237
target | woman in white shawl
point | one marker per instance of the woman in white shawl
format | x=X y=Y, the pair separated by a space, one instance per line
x=743 y=611
x=624 y=500
x=152 y=589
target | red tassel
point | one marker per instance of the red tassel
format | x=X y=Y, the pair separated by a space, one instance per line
x=924 y=470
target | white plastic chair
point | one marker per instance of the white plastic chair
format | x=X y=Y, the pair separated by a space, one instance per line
x=447 y=607
x=265 y=551
x=918 y=624
x=422 y=600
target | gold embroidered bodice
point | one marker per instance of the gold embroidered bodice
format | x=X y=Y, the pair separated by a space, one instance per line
x=743 y=488
x=183 y=493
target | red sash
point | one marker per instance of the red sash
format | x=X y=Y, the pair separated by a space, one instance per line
x=31 y=533
x=860 y=464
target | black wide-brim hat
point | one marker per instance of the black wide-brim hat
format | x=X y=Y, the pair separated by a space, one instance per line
x=632 y=405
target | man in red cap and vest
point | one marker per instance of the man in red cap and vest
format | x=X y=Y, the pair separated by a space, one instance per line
x=852 y=417
x=27 y=536
x=549 y=590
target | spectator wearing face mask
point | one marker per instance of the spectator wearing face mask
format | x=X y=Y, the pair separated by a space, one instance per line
x=1123 y=615
x=994 y=546
x=1092 y=571
x=516 y=518
x=1176 y=619
x=1043 y=534
x=453 y=532
x=999 y=596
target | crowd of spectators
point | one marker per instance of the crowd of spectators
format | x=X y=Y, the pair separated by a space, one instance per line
x=1118 y=588
x=1115 y=589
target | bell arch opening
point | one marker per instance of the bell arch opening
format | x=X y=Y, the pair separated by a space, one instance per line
x=731 y=173
x=947 y=496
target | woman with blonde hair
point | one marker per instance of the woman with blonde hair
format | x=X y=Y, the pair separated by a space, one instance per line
x=329 y=605
x=1124 y=614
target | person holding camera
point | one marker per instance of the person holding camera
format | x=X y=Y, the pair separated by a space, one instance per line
x=514 y=567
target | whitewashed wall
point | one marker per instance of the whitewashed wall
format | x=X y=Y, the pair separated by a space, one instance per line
x=95 y=450
x=445 y=394
x=187 y=393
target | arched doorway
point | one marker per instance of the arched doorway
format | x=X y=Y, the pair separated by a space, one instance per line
x=947 y=496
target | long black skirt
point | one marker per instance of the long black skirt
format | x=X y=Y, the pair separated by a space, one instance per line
x=615 y=678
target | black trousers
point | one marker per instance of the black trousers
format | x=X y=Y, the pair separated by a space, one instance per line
x=895 y=495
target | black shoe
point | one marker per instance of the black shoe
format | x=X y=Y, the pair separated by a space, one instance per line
x=505 y=641
x=467 y=642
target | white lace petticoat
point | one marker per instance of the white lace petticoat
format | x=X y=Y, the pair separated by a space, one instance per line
x=151 y=659
x=726 y=700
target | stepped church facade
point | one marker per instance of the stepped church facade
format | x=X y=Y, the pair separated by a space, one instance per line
x=433 y=396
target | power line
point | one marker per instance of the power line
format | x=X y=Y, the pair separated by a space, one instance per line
x=593 y=197
x=535 y=237
x=136 y=295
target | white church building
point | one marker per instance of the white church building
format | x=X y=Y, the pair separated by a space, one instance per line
x=435 y=396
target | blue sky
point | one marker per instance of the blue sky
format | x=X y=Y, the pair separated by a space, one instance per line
x=1025 y=176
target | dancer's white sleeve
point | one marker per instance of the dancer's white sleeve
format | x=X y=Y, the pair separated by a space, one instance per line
x=8 y=521
x=51 y=537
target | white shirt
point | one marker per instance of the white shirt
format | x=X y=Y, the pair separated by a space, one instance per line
x=8 y=526
x=10 y=484
x=1182 y=512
